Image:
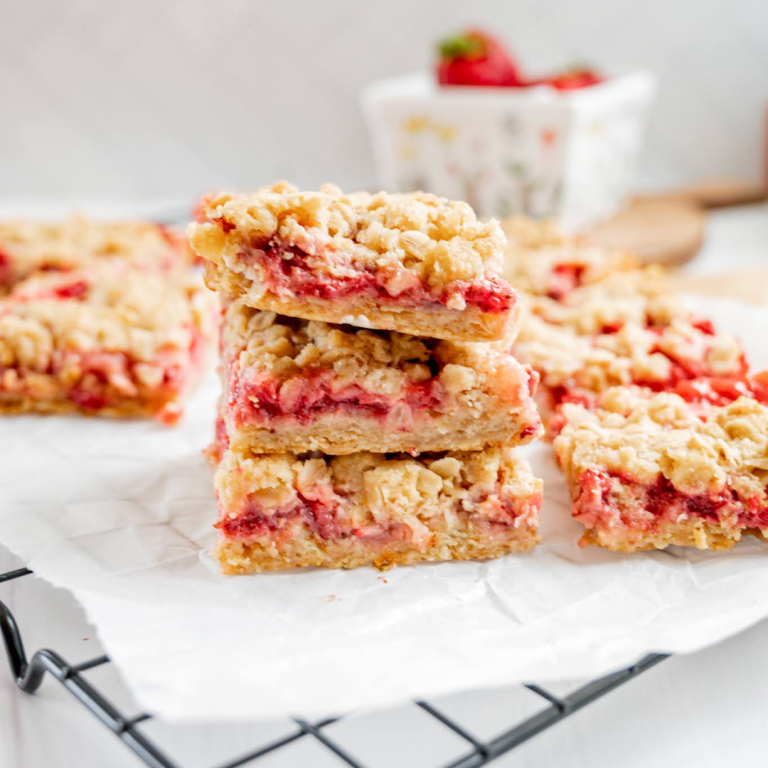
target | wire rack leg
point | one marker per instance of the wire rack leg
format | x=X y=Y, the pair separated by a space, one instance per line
x=29 y=675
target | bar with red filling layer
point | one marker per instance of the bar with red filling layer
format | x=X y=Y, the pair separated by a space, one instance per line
x=286 y=511
x=107 y=340
x=411 y=263
x=29 y=246
x=649 y=470
x=299 y=385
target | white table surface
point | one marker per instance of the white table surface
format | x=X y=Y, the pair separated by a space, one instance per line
x=705 y=709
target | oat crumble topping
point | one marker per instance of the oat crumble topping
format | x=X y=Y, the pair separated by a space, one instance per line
x=114 y=308
x=382 y=361
x=27 y=245
x=435 y=240
x=643 y=437
x=632 y=354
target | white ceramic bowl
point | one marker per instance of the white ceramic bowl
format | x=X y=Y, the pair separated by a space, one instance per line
x=569 y=155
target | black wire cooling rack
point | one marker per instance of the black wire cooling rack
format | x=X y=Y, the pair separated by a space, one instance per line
x=30 y=673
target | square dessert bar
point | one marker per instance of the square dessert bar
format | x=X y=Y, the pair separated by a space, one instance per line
x=543 y=261
x=412 y=263
x=295 y=385
x=284 y=511
x=657 y=357
x=107 y=340
x=30 y=246
x=651 y=470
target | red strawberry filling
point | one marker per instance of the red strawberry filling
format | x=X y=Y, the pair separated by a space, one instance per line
x=684 y=369
x=317 y=514
x=704 y=325
x=651 y=507
x=689 y=377
x=321 y=512
x=261 y=400
x=108 y=378
x=564 y=279
x=288 y=270
x=5 y=268
x=720 y=391
x=76 y=290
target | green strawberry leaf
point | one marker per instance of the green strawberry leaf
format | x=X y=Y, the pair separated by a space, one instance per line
x=461 y=47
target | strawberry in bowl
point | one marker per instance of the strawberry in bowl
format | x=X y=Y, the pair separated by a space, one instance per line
x=479 y=127
x=473 y=58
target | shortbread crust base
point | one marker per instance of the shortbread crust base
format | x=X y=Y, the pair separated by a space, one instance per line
x=309 y=550
x=344 y=435
x=690 y=533
x=136 y=409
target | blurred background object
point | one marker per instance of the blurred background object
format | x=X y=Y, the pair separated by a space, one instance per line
x=536 y=151
x=145 y=99
x=481 y=127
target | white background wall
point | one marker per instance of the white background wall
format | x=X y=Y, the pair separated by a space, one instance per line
x=171 y=97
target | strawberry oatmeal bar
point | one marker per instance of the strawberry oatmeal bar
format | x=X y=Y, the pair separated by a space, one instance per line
x=625 y=329
x=412 y=263
x=300 y=385
x=543 y=261
x=651 y=470
x=657 y=358
x=107 y=340
x=285 y=511
x=32 y=246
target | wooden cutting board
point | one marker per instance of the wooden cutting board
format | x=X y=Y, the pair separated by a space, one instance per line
x=669 y=228
x=663 y=230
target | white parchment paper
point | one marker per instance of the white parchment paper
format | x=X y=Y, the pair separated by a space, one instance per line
x=121 y=514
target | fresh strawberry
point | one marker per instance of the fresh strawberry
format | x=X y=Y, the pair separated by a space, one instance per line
x=475 y=58
x=573 y=79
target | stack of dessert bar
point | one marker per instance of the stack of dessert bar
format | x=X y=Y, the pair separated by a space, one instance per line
x=658 y=424
x=99 y=318
x=370 y=405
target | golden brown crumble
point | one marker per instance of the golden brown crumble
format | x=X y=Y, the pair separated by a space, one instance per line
x=400 y=236
x=30 y=245
x=634 y=353
x=638 y=296
x=527 y=233
x=382 y=361
x=643 y=437
x=123 y=310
